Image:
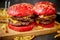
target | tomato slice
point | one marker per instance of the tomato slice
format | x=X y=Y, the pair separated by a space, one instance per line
x=22 y=28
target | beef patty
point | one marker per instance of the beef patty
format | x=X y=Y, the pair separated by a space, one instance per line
x=22 y=21
x=46 y=19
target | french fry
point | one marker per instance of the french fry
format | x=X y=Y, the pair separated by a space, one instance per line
x=24 y=38
x=58 y=31
x=56 y=35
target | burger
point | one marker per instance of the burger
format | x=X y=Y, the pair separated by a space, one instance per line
x=45 y=14
x=21 y=17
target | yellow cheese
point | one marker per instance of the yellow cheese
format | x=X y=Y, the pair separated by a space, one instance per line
x=14 y=21
x=24 y=17
x=37 y=22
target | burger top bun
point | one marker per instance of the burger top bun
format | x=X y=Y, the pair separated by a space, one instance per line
x=44 y=8
x=45 y=2
x=22 y=9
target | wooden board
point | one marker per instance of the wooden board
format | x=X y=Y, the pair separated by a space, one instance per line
x=32 y=32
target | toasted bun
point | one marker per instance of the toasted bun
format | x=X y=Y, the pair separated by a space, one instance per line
x=45 y=2
x=22 y=28
x=44 y=8
x=47 y=25
x=21 y=9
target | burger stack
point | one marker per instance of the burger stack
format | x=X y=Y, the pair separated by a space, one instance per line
x=25 y=16
x=45 y=12
x=21 y=17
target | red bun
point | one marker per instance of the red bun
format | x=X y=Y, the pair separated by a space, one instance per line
x=47 y=25
x=45 y=2
x=22 y=9
x=44 y=8
x=22 y=28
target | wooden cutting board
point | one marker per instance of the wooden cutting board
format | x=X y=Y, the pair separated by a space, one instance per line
x=35 y=31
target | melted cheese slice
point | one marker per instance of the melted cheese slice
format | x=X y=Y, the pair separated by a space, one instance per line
x=37 y=22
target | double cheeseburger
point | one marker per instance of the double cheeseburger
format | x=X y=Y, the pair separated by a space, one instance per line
x=21 y=17
x=45 y=12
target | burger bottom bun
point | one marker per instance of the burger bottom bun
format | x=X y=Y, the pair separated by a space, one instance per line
x=21 y=28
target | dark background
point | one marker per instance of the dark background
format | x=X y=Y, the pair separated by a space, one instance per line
x=56 y=2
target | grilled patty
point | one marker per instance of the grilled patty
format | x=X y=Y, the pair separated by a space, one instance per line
x=22 y=21
x=46 y=20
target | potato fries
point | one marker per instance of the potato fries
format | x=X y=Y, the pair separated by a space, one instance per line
x=24 y=38
x=58 y=27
